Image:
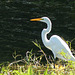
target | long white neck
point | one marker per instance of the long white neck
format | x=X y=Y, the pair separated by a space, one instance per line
x=45 y=32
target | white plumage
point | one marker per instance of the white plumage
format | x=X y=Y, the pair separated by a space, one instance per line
x=57 y=45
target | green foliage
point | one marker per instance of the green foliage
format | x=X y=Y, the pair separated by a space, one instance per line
x=36 y=44
x=30 y=70
x=32 y=66
x=69 y=43
x=45 y=73
x=39 y=70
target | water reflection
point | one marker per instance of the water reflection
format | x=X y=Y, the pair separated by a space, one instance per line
x=17 y=32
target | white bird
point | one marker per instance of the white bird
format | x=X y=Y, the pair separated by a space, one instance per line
x=56 y=44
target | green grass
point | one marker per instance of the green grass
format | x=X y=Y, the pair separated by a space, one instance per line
x=31 y=65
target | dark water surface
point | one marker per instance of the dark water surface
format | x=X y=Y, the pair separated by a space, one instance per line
x=17 y=32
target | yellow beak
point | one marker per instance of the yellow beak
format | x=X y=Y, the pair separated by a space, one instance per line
x=37 y=19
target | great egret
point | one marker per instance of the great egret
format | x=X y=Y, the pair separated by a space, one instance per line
x=56 y=44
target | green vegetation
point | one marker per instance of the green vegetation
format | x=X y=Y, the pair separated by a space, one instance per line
x=31 y=65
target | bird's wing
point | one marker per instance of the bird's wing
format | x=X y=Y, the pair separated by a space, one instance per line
x=59 y=46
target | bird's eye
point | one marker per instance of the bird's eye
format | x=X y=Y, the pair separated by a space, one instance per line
x=42 y=19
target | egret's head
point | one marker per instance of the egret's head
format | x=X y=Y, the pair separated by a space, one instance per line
x=43 y=19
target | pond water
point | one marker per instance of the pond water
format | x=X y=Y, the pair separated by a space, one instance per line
x=17 y=32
